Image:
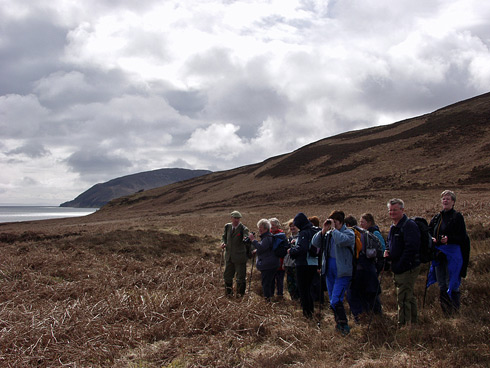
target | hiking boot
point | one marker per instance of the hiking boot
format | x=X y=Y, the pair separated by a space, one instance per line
x=446 y=303
x=456 y=301
x=340 y=315
x=228 y=289
x=343 y=328
x=241 y=287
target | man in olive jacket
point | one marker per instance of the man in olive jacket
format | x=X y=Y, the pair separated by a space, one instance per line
x=236 y=254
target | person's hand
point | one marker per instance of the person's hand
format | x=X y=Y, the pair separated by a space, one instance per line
x=251 y=236
x=223 y=245
x=327 y=225
x=444 y=239
x=386 y=254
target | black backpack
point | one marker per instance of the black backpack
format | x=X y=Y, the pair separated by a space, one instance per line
x=427 y=247
x=280 y=245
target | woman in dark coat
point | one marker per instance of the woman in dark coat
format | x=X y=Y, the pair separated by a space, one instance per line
x=448 y=231
x=267 y=261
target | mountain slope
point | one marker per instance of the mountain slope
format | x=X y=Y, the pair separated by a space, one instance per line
x=446 y=148
x=100 y=194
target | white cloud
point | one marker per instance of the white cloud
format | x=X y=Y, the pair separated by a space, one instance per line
x=218 y=139
x=98 y=89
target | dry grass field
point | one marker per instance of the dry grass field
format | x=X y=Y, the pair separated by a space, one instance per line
x=147 y=292
x=139 y=283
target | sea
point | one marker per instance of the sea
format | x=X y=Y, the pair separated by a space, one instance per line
x=31 y=213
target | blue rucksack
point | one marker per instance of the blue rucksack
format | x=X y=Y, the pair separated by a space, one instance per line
x=280 y=244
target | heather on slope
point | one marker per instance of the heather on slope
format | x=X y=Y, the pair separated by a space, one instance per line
x=153 y=298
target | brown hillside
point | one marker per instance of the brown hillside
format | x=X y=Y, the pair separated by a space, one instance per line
x=446 y=148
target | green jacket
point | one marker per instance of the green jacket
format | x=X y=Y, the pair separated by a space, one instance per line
x=236 y=249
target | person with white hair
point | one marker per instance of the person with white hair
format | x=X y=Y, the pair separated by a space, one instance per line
x=448 y=231
x=267 y=261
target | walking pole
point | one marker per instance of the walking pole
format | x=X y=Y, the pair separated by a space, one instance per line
x=251 y=273
x=425 y=291
x=320 y=301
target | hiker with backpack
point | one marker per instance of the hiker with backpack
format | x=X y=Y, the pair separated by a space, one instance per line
x=368 y=223
x=290 y=264
x=267 y=261
x=448 y=230
x=404 y=253
x=278 y=284
x=317 y=287
x=305 y=270
x=364 y=287
x=237 y=252
x=337 y=246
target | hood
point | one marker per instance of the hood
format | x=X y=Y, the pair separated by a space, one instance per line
x=301 y=221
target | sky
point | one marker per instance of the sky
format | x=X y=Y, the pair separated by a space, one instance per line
x=97 y=89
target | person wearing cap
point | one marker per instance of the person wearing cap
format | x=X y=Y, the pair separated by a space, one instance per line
x=236 y=254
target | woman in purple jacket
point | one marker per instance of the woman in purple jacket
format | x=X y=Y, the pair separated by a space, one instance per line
x=267 y=262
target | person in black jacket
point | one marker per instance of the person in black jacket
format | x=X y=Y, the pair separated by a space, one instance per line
x=304 y=272
x=404 y=253
x=448 y=231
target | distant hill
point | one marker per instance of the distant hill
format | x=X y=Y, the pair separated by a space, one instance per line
x=448 y=148
x=102 y=193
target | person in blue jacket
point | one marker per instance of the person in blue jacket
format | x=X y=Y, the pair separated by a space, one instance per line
x=306 y=267
x=335 y=260
x=267 y=261
x=404 y=253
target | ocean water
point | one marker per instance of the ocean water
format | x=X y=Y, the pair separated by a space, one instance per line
x=30 y=213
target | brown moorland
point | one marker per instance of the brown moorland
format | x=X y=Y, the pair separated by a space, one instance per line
x=138 y=283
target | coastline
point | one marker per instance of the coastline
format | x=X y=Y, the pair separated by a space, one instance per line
x=33 y=213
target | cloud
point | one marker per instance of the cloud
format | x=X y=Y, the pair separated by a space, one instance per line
x=32 y=150
x=95 y=90
x=92 y=163
x=219 y=139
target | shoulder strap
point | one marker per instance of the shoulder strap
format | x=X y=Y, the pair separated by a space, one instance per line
x=438 y=225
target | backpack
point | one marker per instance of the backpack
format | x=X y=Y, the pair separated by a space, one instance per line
x=280 y=245
x=427 y=247
x=367 y=243
x=313 y=250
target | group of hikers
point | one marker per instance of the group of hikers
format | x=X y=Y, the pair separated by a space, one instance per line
x=347 y=260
